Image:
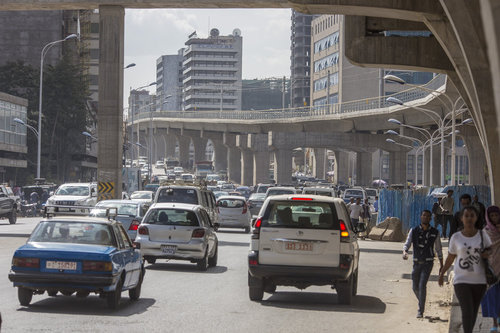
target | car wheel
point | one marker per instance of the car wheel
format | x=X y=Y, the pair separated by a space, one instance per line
x=24 y=295
x=67 y=293
x=270 y=288
x=355 y=285
x=135 y=293
x=52 y=293
x=203 y=263
x=212 y=262
x=247 y=230
x=345 y=291
x=151 y=261
x=13 y=216
x=113 y=297
x=255 y=288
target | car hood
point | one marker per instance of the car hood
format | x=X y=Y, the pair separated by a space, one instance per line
x=68 y=197
x=65 y=250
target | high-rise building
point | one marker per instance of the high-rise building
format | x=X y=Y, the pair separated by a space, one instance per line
x=169 y=82
x=212 y=70
x=300 y=59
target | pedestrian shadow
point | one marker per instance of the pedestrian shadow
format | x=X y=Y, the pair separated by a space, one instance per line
x=91 y=305
x=191 y=268
x=324 y=302
x=433 y=278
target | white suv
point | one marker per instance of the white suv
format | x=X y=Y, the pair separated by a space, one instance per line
x=69 y=195
x=300 y=241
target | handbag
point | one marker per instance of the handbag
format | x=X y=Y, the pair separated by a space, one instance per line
x=491 y=278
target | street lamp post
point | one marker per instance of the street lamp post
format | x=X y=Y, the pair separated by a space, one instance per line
x=45 y=49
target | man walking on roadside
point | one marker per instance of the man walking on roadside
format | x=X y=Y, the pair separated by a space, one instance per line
x=356 y=210
x=425 y=240
x=437 y=211
x=448 y=204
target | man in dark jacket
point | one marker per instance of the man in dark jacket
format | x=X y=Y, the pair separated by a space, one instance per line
x=425 y=240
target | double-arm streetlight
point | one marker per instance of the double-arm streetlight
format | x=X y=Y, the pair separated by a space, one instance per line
x=452 y=109
x=45 y=50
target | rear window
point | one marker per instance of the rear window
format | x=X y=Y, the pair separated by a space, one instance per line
x=230 y=203
x=73 y=232
x=180 y=195
x=354 y=193
x=170 y=216
x=128 y=209
x=301 y=215
x=279 y=192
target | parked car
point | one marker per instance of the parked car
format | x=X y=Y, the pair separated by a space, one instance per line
x=129 y=213
x=233 y=212
x=255 y=202
x=278 y=190
x=194 y=195
x=142 y=196
x=178 y=231
x=8 y=205
x=326 y=191
x=303 y=240
x=355 y=192
x=82 y=255
x=74 y=194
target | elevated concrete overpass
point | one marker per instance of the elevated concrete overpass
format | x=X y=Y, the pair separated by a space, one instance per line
x=465 y=44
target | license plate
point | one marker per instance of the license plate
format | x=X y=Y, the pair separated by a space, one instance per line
x=168 y=249
x=65 y=265
x=297 y=246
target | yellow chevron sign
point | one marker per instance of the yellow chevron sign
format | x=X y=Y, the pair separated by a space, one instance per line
x=106 y=190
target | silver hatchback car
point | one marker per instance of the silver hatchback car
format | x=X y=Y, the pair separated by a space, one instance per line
x=178 y=231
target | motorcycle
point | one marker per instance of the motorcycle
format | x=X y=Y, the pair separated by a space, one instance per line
x=28 y=209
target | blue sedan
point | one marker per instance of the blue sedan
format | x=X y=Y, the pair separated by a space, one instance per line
x=82 y=255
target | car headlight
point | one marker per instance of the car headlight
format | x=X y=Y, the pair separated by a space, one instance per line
x=51 y=202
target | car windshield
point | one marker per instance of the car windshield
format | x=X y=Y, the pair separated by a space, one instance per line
x=301 y=215
x=219 y=194
x=279 y=191
x=262 y=189
x=73 y=232
x=257 y=196
x=181 y=195
x=129 y=209
x=78 y=190
x=230 y=203
x=141 y=195
x=371 y=193
x=354 y=193
x=171 y=216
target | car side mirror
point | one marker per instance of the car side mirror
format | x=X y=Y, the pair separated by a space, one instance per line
x=93 y=193
x=254 y=219
x=216 y=226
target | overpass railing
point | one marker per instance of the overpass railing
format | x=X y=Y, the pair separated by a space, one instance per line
x=438 y=83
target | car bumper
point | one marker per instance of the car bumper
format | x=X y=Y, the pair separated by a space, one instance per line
x=313 y=274
x=40 y=280
x=193 y=250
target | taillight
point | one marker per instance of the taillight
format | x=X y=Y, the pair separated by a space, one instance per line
x=245 y=207
x=97 y=266
x=134 y=225
x=198 y=233
x=302 y=199
x=143 y=230
x=26 y=262
x=344 y=234
x=256 y=229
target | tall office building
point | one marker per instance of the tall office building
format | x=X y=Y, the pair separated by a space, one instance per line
x=300 y=59
x=212 y=70
x=169 y=82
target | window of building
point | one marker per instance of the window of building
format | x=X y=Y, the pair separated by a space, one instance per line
x=94 y=28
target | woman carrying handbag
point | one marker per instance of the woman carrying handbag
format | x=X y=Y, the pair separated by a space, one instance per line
x=467 y=249
x=490 y=305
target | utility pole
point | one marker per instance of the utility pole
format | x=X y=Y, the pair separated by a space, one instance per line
x=283 y=94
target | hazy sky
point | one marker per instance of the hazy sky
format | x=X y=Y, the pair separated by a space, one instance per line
x=152 y=33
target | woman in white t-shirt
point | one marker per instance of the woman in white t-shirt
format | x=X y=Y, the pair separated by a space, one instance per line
x=470 y=279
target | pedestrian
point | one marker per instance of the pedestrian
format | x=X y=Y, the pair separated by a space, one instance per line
x=365 y=218
x=448 y=203
x=490 y=305
x=356 y=210
x=481 y=209
x=45 y=196
x=465 y=253
x=351 y=202
x=437 y=211
x=375 y=204
x=465 y=201
x=425 y=240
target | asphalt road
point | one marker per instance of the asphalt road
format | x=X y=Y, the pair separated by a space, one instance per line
x=177 y=298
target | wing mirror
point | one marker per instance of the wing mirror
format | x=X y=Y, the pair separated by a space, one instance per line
x=216 y=226
x=254 y=219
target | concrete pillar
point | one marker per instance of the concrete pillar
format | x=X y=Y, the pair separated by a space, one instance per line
x=161 y=146
x=233 y=157
x=364 y=168
x=283 y=166
x=341 y=167
x=170 y=148
x=184 y=142
x=319 y=163
x=436 y=166
x=246 y=167
x=478 y=170
x=220 y=155
x=397 y=167
x=260 y=167
x=110 y=115
x=200 y=148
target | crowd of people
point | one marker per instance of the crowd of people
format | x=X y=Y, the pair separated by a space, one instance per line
x=473 y=250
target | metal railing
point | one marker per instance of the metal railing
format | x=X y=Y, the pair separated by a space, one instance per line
x=346 y=109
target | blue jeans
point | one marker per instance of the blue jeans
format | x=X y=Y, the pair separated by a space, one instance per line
x=420 y=276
